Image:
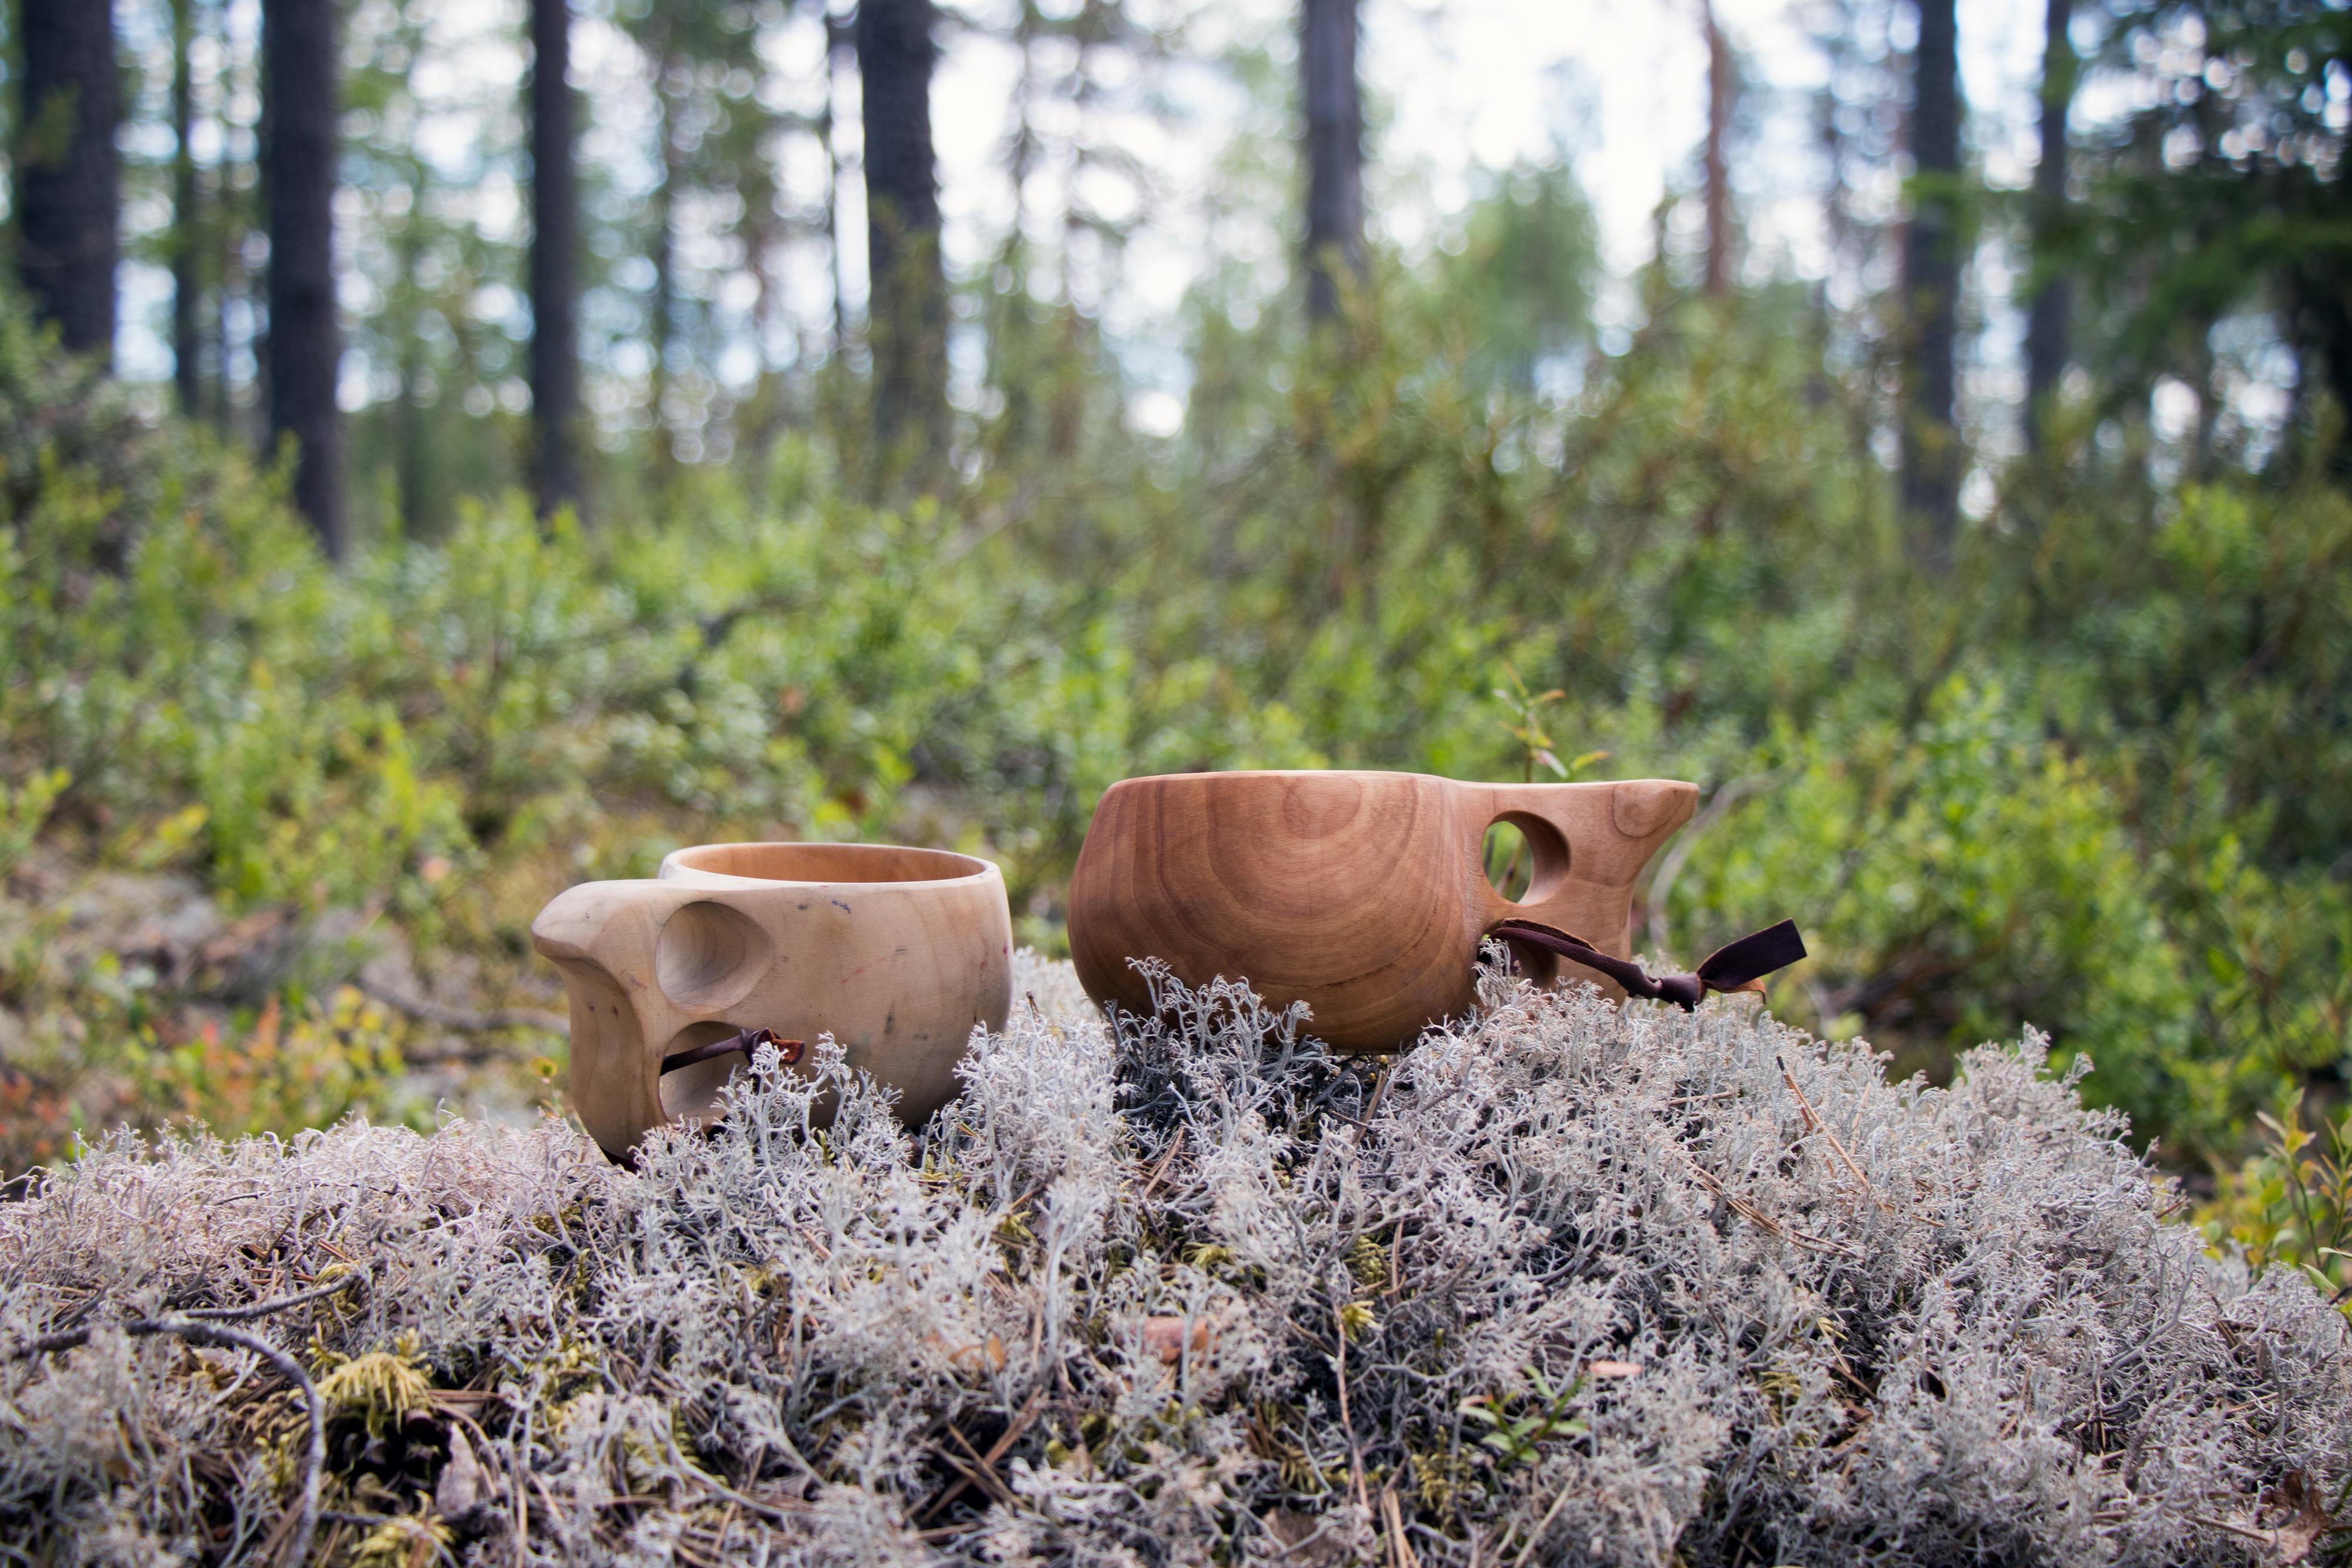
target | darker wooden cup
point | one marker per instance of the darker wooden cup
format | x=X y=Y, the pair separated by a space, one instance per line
x=1362 y=894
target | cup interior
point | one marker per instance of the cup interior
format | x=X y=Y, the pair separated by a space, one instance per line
x=827 y=863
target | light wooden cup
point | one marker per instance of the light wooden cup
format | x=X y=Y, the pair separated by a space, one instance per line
x=898 y=954
x=1362 y=894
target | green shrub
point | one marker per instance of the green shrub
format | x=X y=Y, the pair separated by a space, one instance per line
x=2291 y=1205
x=2085 y=782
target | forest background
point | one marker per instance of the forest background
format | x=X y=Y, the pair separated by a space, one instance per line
x=556 y=466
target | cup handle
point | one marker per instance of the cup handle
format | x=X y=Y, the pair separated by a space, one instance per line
x=605 y=937
x=1592 y=842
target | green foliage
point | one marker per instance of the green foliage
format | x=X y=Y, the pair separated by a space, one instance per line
x=23 y=810
x=1526 y=723
x=309 y=1064
x=2215 y=195
x=2290 y=1204
x=1518 y=1439
x=2083 y=783
x=1518 y=276
x=1953 y=871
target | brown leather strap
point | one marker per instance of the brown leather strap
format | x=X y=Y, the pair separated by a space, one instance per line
x=1738 y=966
x=745 y=1041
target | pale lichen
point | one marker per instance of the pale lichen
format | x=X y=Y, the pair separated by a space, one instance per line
x=1567 y=1282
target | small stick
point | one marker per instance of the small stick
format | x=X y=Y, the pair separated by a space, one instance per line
x=996 y=1451
x=2267 y=1537
x=203 y=1327
x=75 y=1338
x=1762 y=1220
x=1401 y=1551
x=989 y=1481
x=779 y=1511
x=1543 y=1524
x=1824 y=1128
x=263 y=1309
x=1355 y=1454
x=1161 y=1169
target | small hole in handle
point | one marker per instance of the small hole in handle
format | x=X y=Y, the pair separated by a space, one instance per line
x=1510 y=862
x=703 y=1057
x=1526 y=860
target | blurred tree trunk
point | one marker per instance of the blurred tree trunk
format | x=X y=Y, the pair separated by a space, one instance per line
x=907 y=310
x=1930 y=478
x=1335 y=150
x=228 y=258
x=299 y=78
x=188 y=219
x=67 y=174
x=413 y=458
x=1719 y=88
x=837 y=42
x=665 y=257
x=231 y=285
x=2047 y=324
x=554 y=263
x=767 y=413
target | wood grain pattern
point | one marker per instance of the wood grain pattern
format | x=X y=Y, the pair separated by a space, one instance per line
x=896 y=953
x=1362 y=894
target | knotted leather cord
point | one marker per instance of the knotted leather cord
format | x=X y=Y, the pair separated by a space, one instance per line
x=745 y=1041
x=1738 y=966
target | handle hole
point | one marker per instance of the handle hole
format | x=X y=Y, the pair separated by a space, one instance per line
x=710 y=955
x=1526 y=859
x=691 y=1093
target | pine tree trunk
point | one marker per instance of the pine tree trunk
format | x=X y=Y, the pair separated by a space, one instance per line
x=1718 y=153
x=1335 y=150
x=67 y=174
x=412 y=458
x=1931 y=454
x=662 y=316
x=762 y=418
x=2048 y=323
x=230 y=285
x=907 y=310
x=836 y=43
x=187 y=221
x=554 y=263
x=299 y=77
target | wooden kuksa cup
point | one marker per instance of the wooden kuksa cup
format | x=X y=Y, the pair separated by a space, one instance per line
x=1362 y=894
x=896 y=953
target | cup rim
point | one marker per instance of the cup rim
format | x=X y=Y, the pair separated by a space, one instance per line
x=954 y=868
x=1286 y=773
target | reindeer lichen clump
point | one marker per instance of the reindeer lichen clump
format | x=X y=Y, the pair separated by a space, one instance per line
x=1567 y=1282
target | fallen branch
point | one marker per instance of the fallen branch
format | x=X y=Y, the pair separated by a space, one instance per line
x=75 y=1338
x=464 y=1019
x=276 y=1304
x=314 y=1453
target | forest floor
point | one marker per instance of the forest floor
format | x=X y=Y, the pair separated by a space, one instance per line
x=159 y=986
